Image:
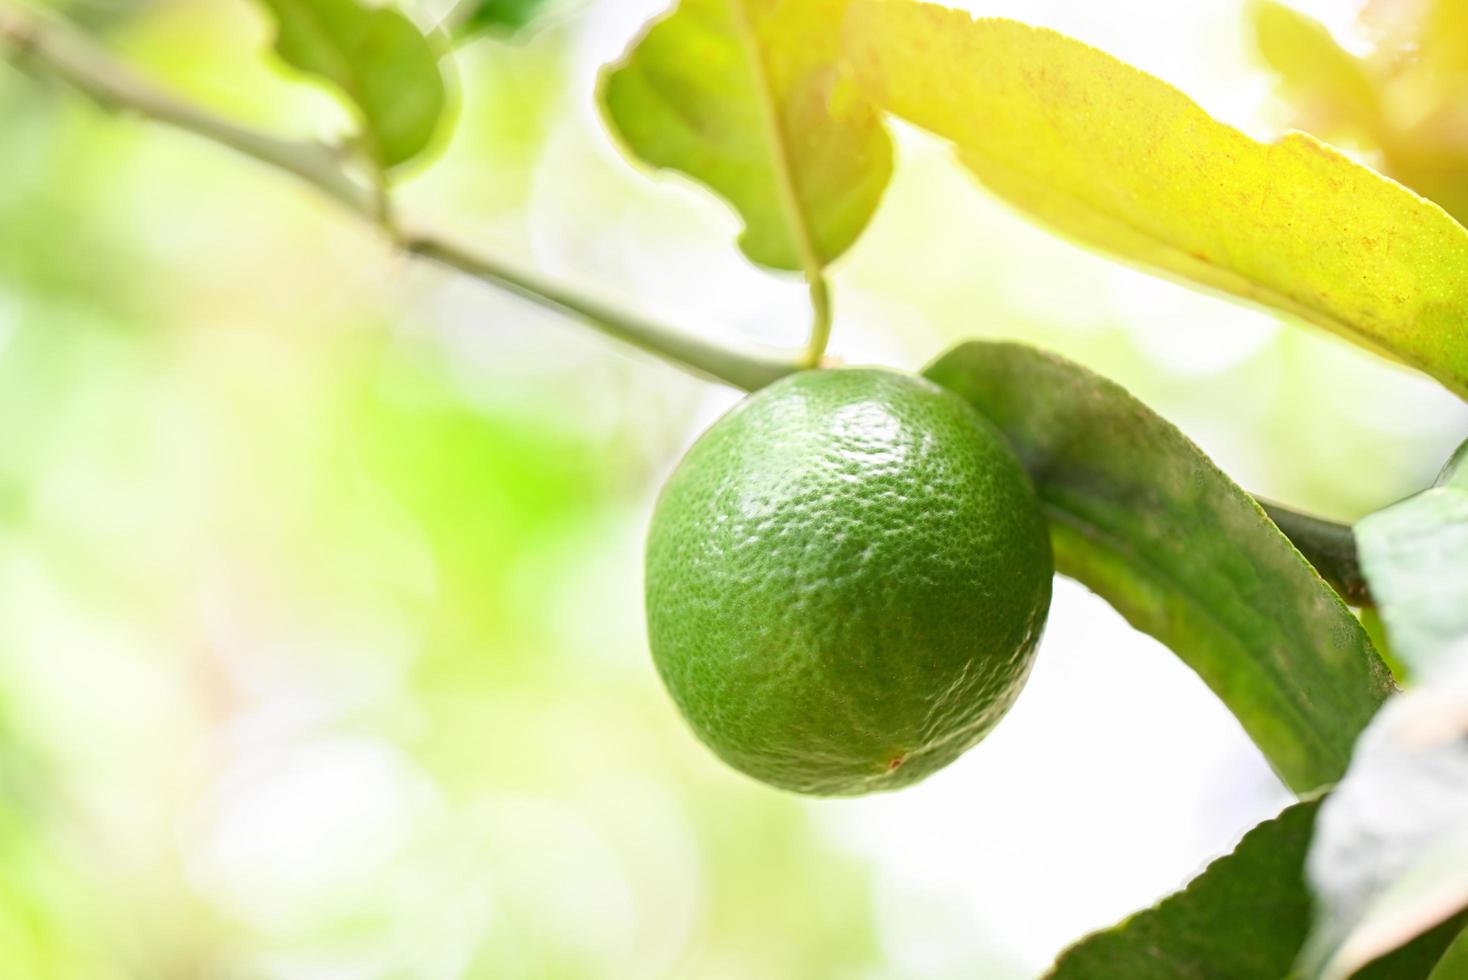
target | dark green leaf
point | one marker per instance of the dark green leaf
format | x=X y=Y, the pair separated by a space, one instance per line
x=1141 y=516
x=1454 y=964
x=377 y=59
x=1390 y=857
x=1243 y=918
x=1422 y=957
x=1415 y=555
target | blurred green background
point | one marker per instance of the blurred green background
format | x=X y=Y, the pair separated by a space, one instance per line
x=321 y=643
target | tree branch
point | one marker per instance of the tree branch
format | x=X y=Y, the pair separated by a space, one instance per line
x=48 y=48
x=747 y=369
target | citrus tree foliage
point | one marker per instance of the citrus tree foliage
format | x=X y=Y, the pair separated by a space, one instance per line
x=781 y=109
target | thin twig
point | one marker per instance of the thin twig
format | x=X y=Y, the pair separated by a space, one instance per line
x=746 y=369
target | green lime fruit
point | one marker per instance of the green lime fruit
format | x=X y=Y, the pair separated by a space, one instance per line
x=847 y=576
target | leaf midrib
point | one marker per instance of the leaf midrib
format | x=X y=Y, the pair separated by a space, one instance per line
x=781 y=163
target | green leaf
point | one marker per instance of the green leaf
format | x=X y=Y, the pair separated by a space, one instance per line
x=745 y=97
x=1415 y=556
x=1424 y=956
x=1125 y=163
x=1389 y=860
x=499 y=17
x=1315 y=70
x=1244 y=917
x=377 y=59
x=1141 y=516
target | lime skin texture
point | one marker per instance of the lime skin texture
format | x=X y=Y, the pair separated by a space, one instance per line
x=847 y=576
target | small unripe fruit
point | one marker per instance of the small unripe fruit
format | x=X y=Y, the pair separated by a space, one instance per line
x=847 y=576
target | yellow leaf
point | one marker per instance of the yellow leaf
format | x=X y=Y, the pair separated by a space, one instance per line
x=1446 y=36
x=745 y=97
x=1126 y=163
